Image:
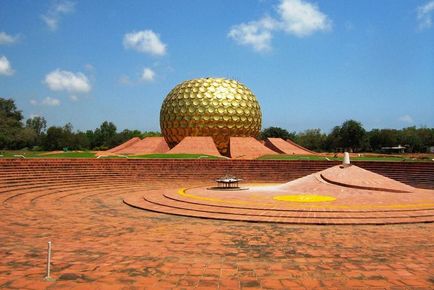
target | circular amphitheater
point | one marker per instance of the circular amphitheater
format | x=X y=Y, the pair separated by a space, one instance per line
x=392 y=193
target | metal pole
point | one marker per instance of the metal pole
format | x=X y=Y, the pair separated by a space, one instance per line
x=48 y=261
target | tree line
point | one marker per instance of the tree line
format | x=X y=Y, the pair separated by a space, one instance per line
x=33 y=134
x=351 y=136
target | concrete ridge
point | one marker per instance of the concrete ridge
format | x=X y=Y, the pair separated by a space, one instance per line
x=148 y=145
x=287 y=147
x=248 y=148
x=356 y=177
x=124 y=145
x=196 y=145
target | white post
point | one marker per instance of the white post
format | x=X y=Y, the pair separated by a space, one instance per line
x=346 y=161
x=48 y=261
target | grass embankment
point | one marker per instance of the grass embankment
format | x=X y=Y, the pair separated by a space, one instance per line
x=45 y=154
x=401 y=158
x=323 y=157
x=90 y=154
x=175 y=156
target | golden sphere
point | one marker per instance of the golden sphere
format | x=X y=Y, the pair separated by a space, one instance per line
x=216 y=107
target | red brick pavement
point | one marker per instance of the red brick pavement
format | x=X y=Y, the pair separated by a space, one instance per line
x=100 y=243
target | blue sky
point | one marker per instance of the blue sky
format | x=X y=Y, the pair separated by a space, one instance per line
x=311 y=64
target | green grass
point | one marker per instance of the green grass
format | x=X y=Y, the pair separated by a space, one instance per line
x=43 y=154
x=175 y=156
x=293 y=157
x=90 y=154
x=27 y=154
x=361 y=158
x=69 y=155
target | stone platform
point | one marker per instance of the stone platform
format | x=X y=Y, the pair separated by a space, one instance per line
x=358 y=197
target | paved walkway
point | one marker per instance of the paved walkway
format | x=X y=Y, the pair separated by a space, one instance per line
x=100 y=243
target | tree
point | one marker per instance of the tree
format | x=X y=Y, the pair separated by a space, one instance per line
x=104 y=135
x=54 y=139
x=59 y=138
x=276 y=132
x=379 y=138
x=333 y=141
x=24 y=138
x=10 y=122
x=39 y=124
x=80 y=141
x=312 y=139
x=148 y=134
x=352 y=135
x=411 y=139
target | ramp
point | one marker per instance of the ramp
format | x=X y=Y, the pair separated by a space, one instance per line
x=124 y=145
x=196 y=145
x=248 y=148
x=287 y=147
x=148 y=145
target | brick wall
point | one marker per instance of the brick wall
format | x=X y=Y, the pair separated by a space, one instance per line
x=416 y=174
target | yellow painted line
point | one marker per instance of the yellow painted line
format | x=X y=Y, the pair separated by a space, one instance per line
x=424 y=205
x=182 y=192
x=304 y=198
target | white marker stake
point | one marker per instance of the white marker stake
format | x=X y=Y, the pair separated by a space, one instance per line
x=48 y=262
x=346 y=159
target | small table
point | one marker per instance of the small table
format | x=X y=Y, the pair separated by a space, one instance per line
x=227 y=182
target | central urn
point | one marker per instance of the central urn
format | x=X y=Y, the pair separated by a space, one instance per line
x=216 y=107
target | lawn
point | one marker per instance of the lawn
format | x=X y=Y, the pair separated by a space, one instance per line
x=175 y=156
x=391 y=158
x=45 y=154
x=330 y=157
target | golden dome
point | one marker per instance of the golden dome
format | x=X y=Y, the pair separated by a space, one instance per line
x=216 y=107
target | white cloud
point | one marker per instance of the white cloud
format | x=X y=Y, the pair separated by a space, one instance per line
x=31 y=116
x=406 y=119
x=73 y=98
x=8 y=39
x=5 y=66
x=295 y=17
x=89 y=67
x=145 y=41
x=255 y=33
x=424 y=16
x=125 y=80
x=148 y=75
x=48 y=101
x=55 y=13
x=302 y=18
x=60 y=80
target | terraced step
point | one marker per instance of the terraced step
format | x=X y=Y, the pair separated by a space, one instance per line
x=157 y=202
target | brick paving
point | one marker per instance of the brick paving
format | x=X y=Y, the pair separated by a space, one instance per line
x=101 y=243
